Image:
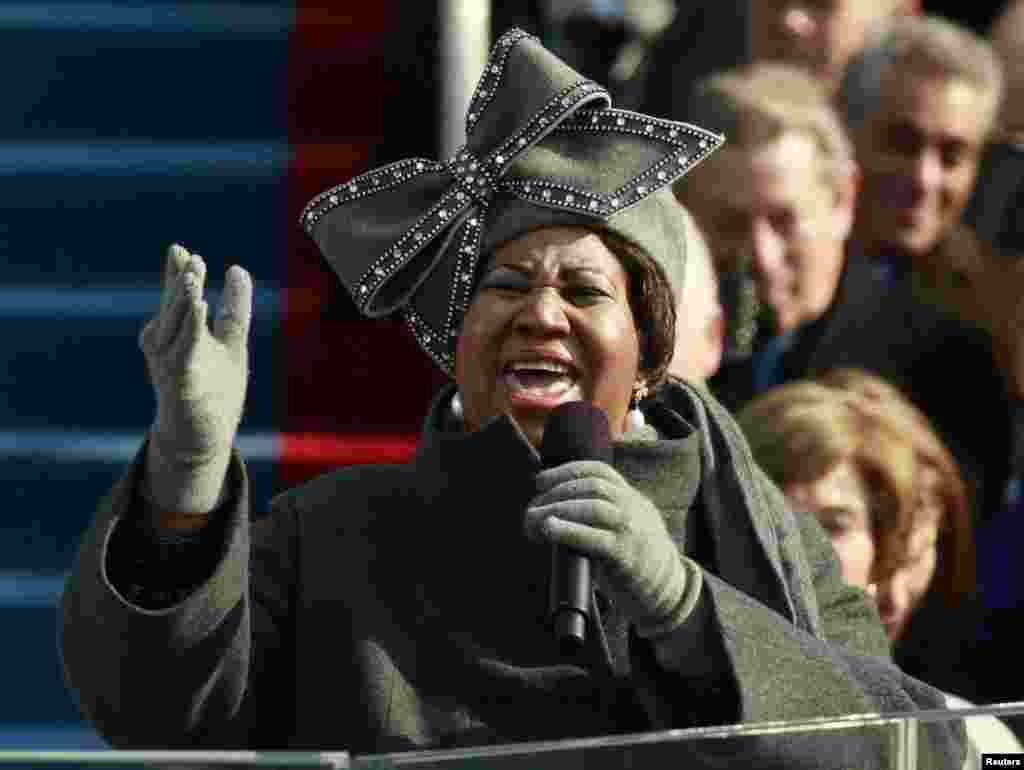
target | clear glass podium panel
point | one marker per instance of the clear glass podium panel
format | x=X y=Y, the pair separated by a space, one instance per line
x=866 y=741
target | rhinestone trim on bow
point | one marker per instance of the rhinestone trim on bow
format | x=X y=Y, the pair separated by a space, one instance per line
x=467 y=183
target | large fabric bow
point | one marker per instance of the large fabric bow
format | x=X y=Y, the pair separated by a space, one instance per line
x=544 y=147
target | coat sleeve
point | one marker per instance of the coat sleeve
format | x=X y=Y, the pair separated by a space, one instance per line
x=774 y=670
x=191 y=674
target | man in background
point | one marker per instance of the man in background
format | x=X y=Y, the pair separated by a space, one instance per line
x=709 y=37
x=777 y=199
x=822 y=37
x=700 y=321
x=919 y=104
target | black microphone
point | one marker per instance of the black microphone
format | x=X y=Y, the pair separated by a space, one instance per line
x=576 y=430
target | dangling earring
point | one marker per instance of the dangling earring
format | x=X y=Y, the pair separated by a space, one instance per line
x=457 y=406
x=635 y=416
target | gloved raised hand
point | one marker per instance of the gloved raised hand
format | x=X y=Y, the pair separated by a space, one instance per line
x=587 y=505
x=200 y=381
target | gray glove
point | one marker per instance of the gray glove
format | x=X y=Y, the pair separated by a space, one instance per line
x=587 y=505
x=200 y=381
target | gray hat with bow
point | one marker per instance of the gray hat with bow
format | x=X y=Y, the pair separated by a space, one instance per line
x=544 y=148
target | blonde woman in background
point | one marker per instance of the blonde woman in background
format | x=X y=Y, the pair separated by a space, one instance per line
x=853 y=451
x=939 y=550
x=835 y=459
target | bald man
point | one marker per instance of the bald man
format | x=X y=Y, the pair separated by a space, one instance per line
x=700 y=322
x=821 y=37
x=708 y=37
x=778 y=197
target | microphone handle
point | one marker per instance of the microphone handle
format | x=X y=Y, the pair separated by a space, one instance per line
x=574 y=430
x=570 y=597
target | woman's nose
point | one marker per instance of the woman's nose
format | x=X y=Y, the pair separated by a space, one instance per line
x=928 y=170
x=893 y=597
x=542 y=312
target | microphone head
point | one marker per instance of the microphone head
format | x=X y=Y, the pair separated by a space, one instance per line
x=576 y=430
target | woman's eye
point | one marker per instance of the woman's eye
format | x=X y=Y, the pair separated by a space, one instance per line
x=952 y=153
x=784 y=222
x=584 y=292
x=505 y=283
x=835 y=524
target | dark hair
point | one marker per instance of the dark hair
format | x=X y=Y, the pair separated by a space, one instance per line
x=653 y=305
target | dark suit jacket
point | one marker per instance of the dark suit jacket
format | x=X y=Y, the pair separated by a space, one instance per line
x=734 y=383
x=996 y=210
x=945 y=365
x=948 y=370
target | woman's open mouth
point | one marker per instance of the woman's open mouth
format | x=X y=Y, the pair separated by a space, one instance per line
x=539 y=380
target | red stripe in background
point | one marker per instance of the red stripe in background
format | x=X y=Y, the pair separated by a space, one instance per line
x=315 y=452
x=356 y=390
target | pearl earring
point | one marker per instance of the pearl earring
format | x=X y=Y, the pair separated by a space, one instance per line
x=636 y=417
x=457 y=406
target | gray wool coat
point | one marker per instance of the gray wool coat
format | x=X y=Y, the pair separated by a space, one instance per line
x=389 y=608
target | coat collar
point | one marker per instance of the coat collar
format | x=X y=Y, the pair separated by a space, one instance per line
x=481 y=482
x=666 y=469
x=756 y=538
x=485 y=577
